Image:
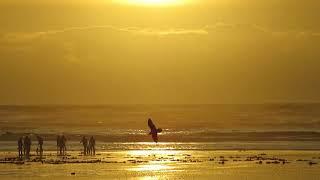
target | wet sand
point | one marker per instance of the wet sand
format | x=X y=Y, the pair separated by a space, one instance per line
x=165 y=164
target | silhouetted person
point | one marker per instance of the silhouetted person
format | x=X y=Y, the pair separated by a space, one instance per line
x=58 y=143
x=84 y=142
x=59 y=150
x=20 y=147
x=24 y=146
x=40 y=143
x=153 y=130
x=92 y=144
x=27 y=146
x=88 y=148
x=63 y=146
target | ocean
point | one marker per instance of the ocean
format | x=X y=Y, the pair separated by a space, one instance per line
x=185 y=127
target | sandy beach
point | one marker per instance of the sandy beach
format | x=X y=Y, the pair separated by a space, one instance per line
x=165 y=164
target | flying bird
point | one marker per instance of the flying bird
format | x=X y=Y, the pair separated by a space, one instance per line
x=154 y=131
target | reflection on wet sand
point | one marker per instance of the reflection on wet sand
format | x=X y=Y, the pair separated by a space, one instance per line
x=152 y=152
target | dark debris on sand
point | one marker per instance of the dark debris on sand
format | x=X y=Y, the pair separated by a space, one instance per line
x=259 y=159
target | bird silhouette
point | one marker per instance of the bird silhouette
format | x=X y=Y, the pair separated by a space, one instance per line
x=154 y=131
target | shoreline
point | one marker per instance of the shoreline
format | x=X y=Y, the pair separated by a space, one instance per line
x=11 y=146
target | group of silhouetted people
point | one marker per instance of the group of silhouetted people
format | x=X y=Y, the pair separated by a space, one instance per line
x=88 y=146
x=24 y=146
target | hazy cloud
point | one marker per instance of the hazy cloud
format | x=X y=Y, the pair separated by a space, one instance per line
x=20 y=37
x=233 y=61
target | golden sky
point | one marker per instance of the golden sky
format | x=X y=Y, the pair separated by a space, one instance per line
x=153 y=51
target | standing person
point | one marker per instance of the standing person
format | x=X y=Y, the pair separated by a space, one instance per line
x=25 y=139
x=63 y=146
x=92 y=144
x=40 y=143
x=20 y=147
x=84 y=142
x=89 y=148
x=58 y=144
x=27 y=145
x=24 y=146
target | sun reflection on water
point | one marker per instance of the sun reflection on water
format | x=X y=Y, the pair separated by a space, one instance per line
x=151 y=167
x=151 y=164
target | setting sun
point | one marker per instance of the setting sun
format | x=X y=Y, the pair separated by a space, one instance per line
x=152 y=2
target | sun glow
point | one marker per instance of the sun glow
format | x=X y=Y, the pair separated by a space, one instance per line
x=152 y=2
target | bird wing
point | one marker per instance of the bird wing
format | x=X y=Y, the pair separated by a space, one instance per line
x=151 y=125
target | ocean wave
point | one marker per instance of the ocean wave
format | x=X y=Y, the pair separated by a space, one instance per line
x=169 y=135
